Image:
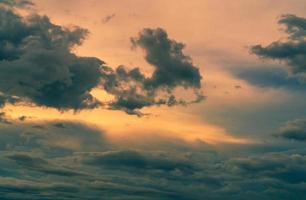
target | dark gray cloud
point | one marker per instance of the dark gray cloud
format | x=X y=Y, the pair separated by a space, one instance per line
x=294 y=130
x=295 y=26
x=172 y=69
x=267 y=76
x=38 y=66
x=77 y=162
x=287 y=168
x=293 y=50
x=138 y=160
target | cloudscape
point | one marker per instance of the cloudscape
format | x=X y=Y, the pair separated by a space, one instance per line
x=152 y=100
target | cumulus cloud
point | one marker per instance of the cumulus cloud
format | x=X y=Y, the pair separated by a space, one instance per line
x=172 y=66
x=38 y=66
x=172 y=69
x=293 y=50
x=294 y=130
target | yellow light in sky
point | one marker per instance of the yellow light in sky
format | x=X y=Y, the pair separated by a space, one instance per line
x=119 y=126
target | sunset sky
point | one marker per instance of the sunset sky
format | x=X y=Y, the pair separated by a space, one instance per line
x=163 y=99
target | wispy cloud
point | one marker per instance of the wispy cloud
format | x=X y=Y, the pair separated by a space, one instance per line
x=108 y=18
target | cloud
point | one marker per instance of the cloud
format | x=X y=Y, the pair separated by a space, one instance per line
x=17 y=3
x=49 y=138
x=137 y=160
x=294 y=130
x=3 y=118
x=269 y=77
x=37 y=64
x=295 y=26
x=172 y=69
x=12 y=188
x=277 y=96
x=287 y=168
x=108 y=18
x=40 y=165
x=38 y=67
x=77 y=162
x=293 y=50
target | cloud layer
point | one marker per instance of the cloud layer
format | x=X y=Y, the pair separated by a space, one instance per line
x=68 y=160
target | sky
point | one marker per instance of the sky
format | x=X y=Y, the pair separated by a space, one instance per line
x=138 y=99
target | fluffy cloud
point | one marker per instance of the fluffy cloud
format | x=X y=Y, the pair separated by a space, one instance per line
x=38 y=66
x=293 y=50
x=172 y=69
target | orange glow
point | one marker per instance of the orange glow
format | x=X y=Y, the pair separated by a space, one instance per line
x=119 y=126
